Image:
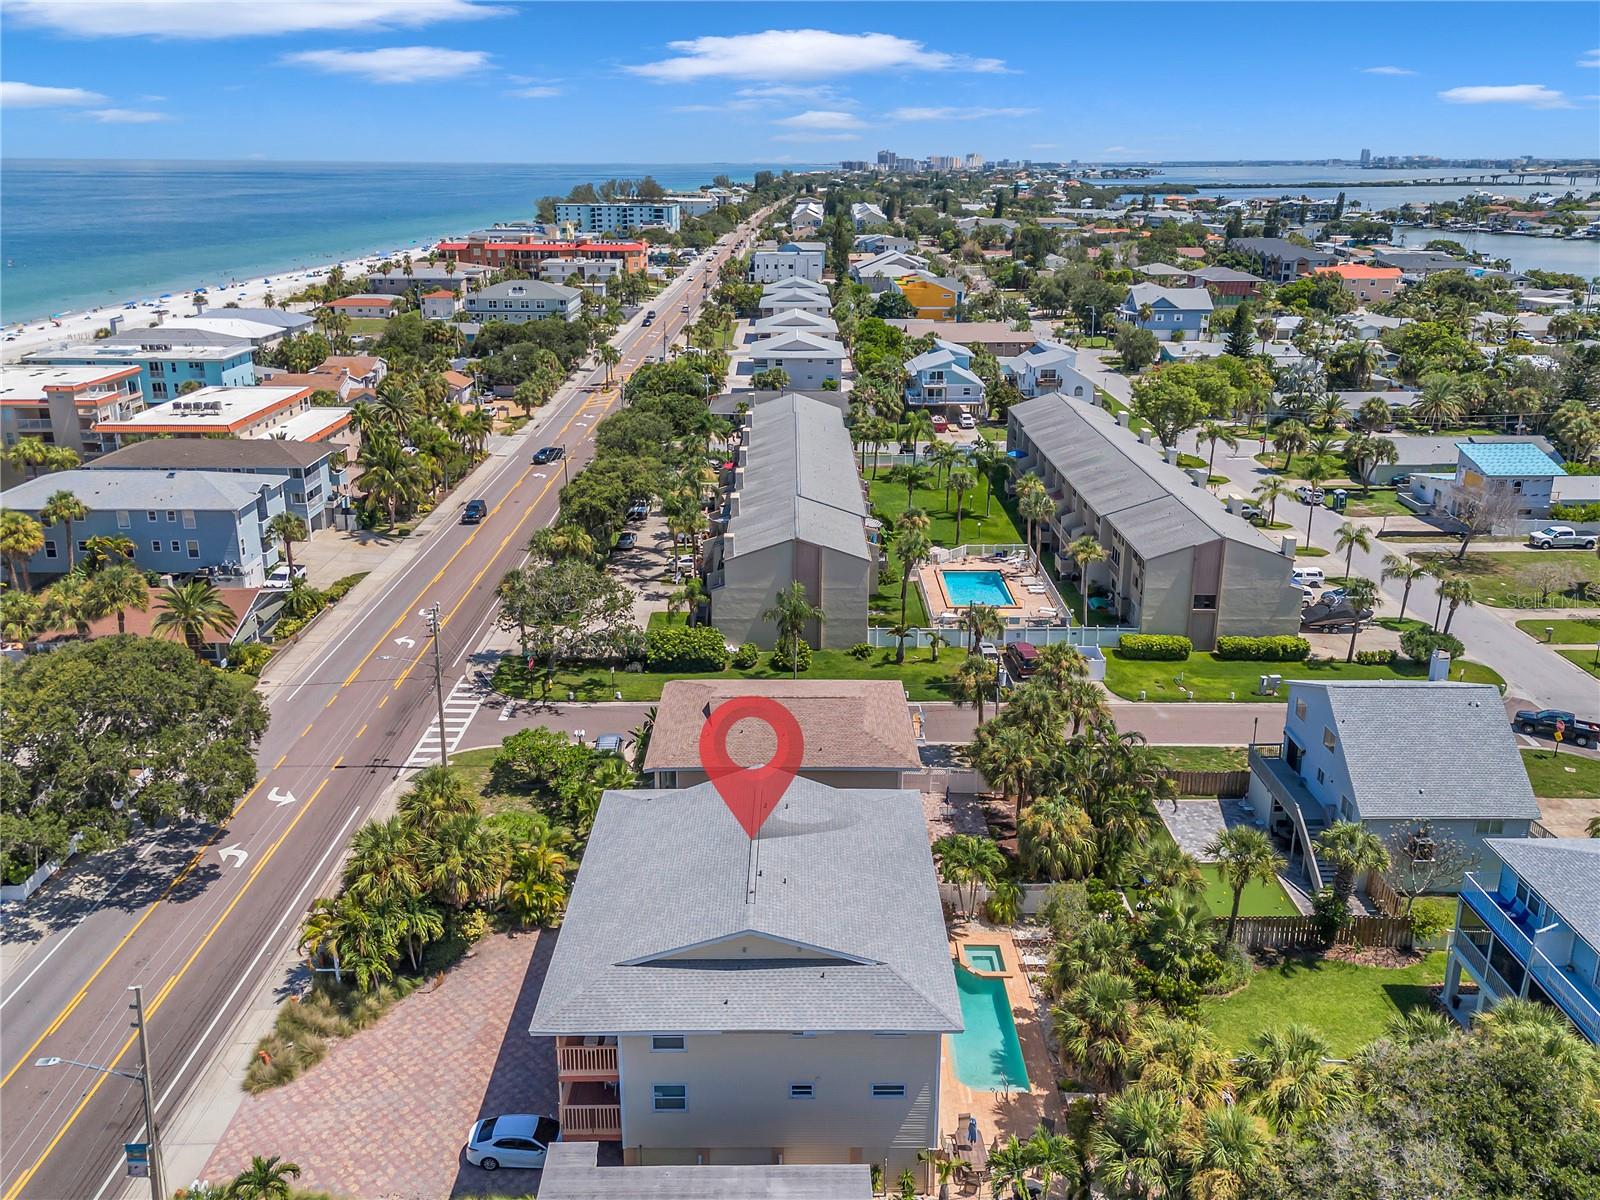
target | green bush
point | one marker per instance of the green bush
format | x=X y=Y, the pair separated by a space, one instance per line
x=1577 y=513
x=1159 y=647
x=860 y=650
x=288 y=627
x=747 y=656
x=1330 y=914
x=340 y=588
x=249 y=659
x=684 y=649
x=781 y=661
x=1279 y=648
x=1419 y=644
x=1431 y=916
x=1377 y=658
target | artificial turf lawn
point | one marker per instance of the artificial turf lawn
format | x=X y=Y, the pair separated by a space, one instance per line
x=1212 y=679
x=1257 y=899
x=1201 y=758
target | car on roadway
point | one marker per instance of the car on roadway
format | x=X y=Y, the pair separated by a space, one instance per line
x=1542 y=723
x=638 y=510
x=626 y=541
x=684 y=309
x=1558 y=537
x=511 y=1140
x=1307 y=494
x=548 y=454
x=474 y=512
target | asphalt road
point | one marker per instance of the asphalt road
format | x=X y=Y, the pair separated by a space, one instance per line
x=199 y=920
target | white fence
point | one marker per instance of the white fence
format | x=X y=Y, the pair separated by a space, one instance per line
x=15 y=893
x=879 y=637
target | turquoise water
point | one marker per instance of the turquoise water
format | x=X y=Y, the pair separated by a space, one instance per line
x=976 y=587
x=984 y=958
x=988 y=1054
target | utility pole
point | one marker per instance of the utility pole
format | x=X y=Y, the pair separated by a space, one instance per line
x=158 y=1185
x=438 y=681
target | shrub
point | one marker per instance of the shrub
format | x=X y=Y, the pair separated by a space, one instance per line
x=1161 y=647
x=1330 y=914
x=248 y=660
x=470 y=925
x=1577 y=513
x=860 y=650
x=1431 y=916
x=1377 y=658
x=747 y=656
x=679 y=648
x=1279 y=648
x=288 y=627
x=340 y=588
x=1004 y=904
x=1419 y=644
x=781 y=661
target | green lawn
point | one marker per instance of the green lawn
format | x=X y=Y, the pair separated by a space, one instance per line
x=1583 y=658
x=1310 y=552
x=884 y=604
x=1200 y=758
x=1568 y=631
x=1511 y=579
x=376 y=325
x=1562 y=776
x=923 y=679
x=472 y=767
x=889 y=501
x=1257 y=899
x=1349 y=1005
x=1382 y=502
x=1211 y=678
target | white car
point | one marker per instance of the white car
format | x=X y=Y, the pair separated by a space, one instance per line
x=989 y=650
x=513 y=1140
x=280 y=577
x=966 y=421
x=1560 y=536
x=1307 y=494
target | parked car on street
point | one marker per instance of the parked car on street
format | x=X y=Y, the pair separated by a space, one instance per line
x=1307 y=494
x=1542 y=723
x=512 y=1140
x=626 y=541
x=1557 y=537
x=638 y=510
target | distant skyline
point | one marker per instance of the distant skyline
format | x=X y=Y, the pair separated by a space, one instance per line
x=501 y=81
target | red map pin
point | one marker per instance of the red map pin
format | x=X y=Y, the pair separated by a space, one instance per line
x=751 y=793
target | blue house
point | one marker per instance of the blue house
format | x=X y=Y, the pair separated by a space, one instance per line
x=1171 y=310
x=943 y=378
x=166 y=358
x=1509 y=481
x=180 y=522
x=1529 y=926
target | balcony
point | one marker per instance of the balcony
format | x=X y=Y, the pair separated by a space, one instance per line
x=574 y=1060
x=590 y=1112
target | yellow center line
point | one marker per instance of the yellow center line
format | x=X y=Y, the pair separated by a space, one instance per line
x=281 y=757
x=309 y=726
x=166 y=990
x=362 y=730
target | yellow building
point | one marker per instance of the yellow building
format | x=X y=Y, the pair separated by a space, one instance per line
x=935 y=299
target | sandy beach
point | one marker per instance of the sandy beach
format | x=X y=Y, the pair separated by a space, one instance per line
x=72 y=328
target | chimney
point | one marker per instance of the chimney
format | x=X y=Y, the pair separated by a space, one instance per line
x=1287 y=546
x=1439 y=666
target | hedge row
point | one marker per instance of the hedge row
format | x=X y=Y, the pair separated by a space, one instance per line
x=1279 y=648
x=1160 y=647
x=685 y=648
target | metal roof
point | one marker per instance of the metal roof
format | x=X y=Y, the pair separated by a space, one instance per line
x=572 y=1172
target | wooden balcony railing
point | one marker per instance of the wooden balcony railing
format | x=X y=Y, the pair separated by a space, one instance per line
x=580 y=1122
x=586 y=1060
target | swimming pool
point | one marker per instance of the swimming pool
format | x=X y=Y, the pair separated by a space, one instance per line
x=976 y=587
x=988 y=1054
x=984 y=958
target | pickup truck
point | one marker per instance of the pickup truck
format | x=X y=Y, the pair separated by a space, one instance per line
x=1553 y=537
x=1542 y=723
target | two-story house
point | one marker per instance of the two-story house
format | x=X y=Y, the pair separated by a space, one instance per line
x=791 y=260
x=933 y=297
x=1510 y=481
x=808 y=360
x=864 y=215
x=522 y=300
x=718 y=1000
x=1528 y=925
x=806 y=217
x=1394 y=756
x=1046 y=367
x=792 y=320
x=1367 y=283
x=797 y=292
x=1166 y=311
x=942 y=378
x=366 y=306
x=1282 y=260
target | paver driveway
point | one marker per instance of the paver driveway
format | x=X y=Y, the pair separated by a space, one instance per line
x=385 y=1115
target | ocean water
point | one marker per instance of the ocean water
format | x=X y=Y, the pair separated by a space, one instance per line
x=79 y=233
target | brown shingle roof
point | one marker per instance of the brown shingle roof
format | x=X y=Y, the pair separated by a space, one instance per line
x=847 y=724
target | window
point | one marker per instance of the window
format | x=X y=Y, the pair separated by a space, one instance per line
x=158 y=388
x=888 y=1091
x=1206 y=603
x=1300 y=709
x=172 y=516
x=188 y=518
x=669 y=1097
x=124 y=520
x=667 y=1044
x=1158 y=318
x=802 y=1091
x=49 y=548
x=177 y=546
x=1493 y=829
x=194 y=549
x=150 y=515
x=1328 y=738
x=155 y=547
x=1321 y=778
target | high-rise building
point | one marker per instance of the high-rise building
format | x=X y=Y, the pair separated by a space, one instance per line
x=1366 y=158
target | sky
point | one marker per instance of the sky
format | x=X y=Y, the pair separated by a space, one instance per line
x=510 y=81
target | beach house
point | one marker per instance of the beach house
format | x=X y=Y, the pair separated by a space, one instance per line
x=522 y=300
x=1368 y=284
x=933 y=297
x=809 y=359
x=1508 y=482
x=942 y=379
x=166 y=358
x=1046 y=367
x=365 y=306
x=807 y=295
x=1282 y=260
x=62 y=405
x=1167 y=311
x=791 y=260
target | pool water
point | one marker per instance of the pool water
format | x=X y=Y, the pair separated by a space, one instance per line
x=977 y=587
x=988 y=1054
x=984 y=958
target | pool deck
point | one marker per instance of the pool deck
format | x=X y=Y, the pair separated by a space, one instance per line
x=1001 y=1114
x=1028 y=608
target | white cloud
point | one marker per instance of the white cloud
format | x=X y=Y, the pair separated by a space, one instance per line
x=538 y=91
x=1117 y=150
x=1387 y=71
x=1044 y=146
x=816 y=136
x=207 y=19
x=1531 y=95
x=956 y=114
x=806 y=53
x=393 y=64
x=1591 y=58
x=33 y=95
x=821 y=118
x=127 y=116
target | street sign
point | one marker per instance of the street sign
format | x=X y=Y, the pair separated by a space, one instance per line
x=137 y=1155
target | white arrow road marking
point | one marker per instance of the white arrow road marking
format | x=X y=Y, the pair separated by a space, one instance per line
x=409 y=643
x=280 y=798
x=235 y=853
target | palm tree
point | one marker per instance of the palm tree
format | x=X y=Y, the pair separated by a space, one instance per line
x=973 y=682
x=689 y=597
x=985 y=458
x=1408 y=572
x=436 y=795
x=72 y=602
x=1056 y=839
x=1363 y=597
x=913 y=549
x=983 y=623
x=916 y=428
x=1084 y=551
x=1243 y=855
x=107 y=548
x=1095 y=1022
x=265 y=1179
x=1035 y=507
x=962 y=480
x=1268 y=494
x=1437 y=404
x=610 y=356
x=1291 y=1078
x=192 y=610
x=21 y=616
x=1353 y=850
x=464 y=862
x=66 y=508
x=1180 y=1058
x=29 y=453
x=1315 y=474
x=1134 y=1145
x=913 y=475
x=21 y=537
x=968 y=863
x=288 y=529
x=1226 y=1153
x=381 y=868
x=1289 y=439
x=1213 y=432
x=390 y=476
x=1421 y=1027
x=1010 y=1165
x=791 y=613
x=1348 y=537
x=1458 y=591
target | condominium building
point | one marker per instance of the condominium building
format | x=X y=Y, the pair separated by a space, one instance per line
x=501 y=249
x=791 y=260
x=62 y=405
x=620 y=215
x=246 y=412
x=166 y=359
x=455 y=277
x=523 y=300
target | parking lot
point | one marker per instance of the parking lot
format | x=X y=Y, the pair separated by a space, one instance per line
x=647 y=567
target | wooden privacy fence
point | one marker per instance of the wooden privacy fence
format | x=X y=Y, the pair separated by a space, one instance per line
x=1282 y=933
x=1211 y=783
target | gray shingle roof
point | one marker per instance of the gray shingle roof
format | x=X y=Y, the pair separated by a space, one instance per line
x=102 y=489
x=1184 y=299
x=1281 y=249
x=840 y=885
x=533 y=289
x=1565 y=872
x=800 y=480
x=1429 y=751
